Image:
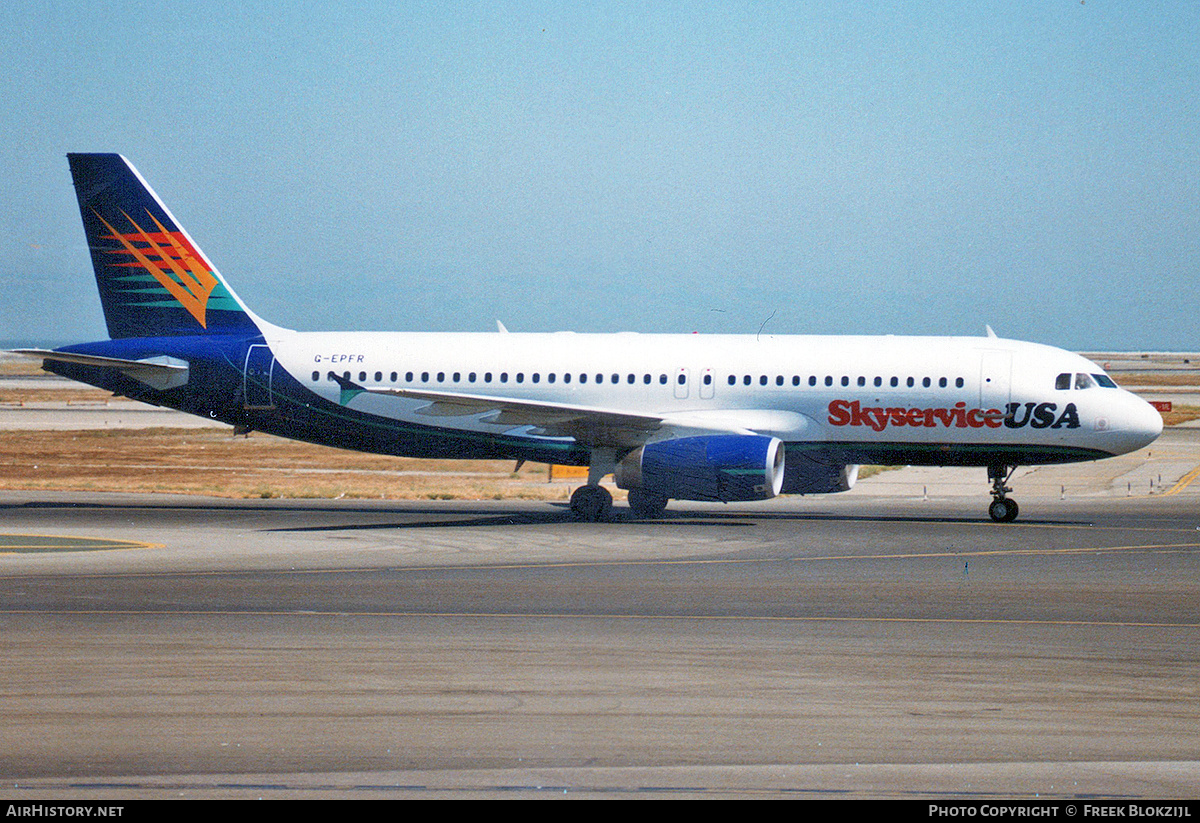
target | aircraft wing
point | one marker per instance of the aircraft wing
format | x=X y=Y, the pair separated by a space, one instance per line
x=591 y=426
x=594 y=427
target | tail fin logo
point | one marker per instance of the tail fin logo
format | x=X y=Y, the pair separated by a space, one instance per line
x=171 y=260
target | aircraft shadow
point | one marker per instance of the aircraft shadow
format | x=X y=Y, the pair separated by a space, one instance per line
x=444 y=516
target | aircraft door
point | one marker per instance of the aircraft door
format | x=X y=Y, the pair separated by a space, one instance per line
x=995 y=380
x=681 y=384
x=256 y=378
x=707 y=384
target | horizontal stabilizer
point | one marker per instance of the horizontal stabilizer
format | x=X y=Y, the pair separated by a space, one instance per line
x=160 y=373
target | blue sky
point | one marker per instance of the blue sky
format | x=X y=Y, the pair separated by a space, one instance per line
x=899 y=168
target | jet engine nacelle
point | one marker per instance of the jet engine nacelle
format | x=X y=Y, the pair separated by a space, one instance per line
x=811 y=475
x=727 y=468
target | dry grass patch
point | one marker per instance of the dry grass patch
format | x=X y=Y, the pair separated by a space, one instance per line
x=1183 y=377
x=1180 y=414
x=214 y=462
x=74 y=393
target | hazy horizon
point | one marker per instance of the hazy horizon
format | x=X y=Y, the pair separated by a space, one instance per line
x=914 y=168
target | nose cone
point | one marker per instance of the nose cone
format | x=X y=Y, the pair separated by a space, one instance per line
x=1151 y=422
x=1138 y=425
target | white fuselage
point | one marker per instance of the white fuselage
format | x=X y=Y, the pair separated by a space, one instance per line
x=918 y=391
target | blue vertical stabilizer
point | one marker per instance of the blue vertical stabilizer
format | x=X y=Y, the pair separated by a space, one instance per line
x=153 y=279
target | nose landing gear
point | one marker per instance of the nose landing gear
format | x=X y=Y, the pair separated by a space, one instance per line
x=1002 y=509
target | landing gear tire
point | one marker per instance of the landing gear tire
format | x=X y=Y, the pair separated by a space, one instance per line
x=1003 y=510
x=646 y=504
x=591 y=504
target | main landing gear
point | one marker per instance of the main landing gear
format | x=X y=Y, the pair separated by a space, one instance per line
x=646 y=505
x=1002 y=509
x=591 y=504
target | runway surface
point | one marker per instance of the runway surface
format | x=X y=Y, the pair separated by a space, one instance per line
x=890 y=642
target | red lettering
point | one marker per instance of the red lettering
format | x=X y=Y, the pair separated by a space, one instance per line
x=960 y=414
x=870 y=416
x=853 y=413
x=857 y=418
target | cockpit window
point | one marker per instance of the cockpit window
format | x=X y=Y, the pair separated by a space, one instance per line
x=1105 y=381
x=1083 y=381
x=1063 y=381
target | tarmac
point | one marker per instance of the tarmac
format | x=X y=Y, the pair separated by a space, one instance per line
x=889 y=642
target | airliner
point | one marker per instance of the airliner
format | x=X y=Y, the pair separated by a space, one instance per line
x=728 y=418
